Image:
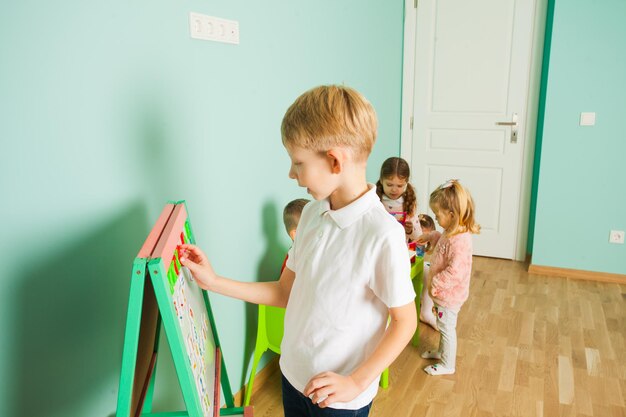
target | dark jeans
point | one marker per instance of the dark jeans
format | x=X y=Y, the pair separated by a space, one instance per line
x=297 y=405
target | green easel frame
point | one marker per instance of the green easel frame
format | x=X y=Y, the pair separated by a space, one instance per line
x=149 y=307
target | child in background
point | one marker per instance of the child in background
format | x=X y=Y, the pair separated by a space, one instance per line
x=450 y=267
x=398 y=195
x=427 y=224
x=291 y=215
x=347 y=270
x=275 y=316
x=291 y=218
x=426 y=305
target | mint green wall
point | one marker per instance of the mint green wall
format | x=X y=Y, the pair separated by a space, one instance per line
x=582 y=175
x=108 y=110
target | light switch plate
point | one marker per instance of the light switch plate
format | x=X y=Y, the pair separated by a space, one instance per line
x=587 y=119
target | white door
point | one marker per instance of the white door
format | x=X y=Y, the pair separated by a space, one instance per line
x=470 y=83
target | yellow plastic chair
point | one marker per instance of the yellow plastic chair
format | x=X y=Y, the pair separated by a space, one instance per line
x=269 y=334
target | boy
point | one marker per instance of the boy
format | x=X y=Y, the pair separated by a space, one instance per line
x=291 y=218
x=291 y=215
x=427 y=223
x=347 y=271
x=275 y=316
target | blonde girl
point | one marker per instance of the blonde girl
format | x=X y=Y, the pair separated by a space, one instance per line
x=398 y=195
x=450 y=267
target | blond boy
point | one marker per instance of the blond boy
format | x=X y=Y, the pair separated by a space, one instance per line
x=347 y=271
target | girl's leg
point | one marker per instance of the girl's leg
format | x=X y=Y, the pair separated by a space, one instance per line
x=426 y=306
x=446 y=320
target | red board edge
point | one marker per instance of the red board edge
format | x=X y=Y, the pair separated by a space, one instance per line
x=155 y=233
x=170 y=237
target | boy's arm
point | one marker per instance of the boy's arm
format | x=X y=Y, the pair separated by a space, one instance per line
x=328 y=387
x=274 y=293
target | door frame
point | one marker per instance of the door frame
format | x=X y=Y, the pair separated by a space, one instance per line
x=532 y=108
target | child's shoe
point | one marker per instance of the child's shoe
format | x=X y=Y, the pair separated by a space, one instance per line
x=438 y=369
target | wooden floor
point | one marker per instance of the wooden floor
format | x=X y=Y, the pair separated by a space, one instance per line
x=528 y=346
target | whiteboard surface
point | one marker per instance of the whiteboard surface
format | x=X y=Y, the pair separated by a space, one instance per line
x=193 y=320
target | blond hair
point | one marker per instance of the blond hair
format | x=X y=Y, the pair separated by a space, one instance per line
x=328 y=116
x=453 y=197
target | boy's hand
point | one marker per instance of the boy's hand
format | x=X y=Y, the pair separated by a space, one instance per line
x=408 y=228
x=328 y=387
x=193 y=258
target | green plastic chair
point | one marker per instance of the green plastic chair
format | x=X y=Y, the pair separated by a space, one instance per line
x=417 y=277
x=384 y=379
x=269 y=334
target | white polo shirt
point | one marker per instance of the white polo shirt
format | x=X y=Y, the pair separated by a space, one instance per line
x=351 y=265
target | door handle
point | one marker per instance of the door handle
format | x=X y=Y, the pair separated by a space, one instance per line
x=513 y=125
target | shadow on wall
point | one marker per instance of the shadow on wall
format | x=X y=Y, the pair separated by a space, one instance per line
x=69 y=333
x=268 y=270
x=158 y=155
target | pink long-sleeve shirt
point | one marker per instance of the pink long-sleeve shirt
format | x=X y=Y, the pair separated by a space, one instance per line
x=450 y=269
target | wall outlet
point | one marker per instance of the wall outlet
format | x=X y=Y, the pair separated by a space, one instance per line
x=616 y=236
x=211 y=28
x=587 y=119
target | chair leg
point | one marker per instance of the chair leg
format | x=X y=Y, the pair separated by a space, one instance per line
x=257 y=358
x=384 y=379
x=418 y=283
